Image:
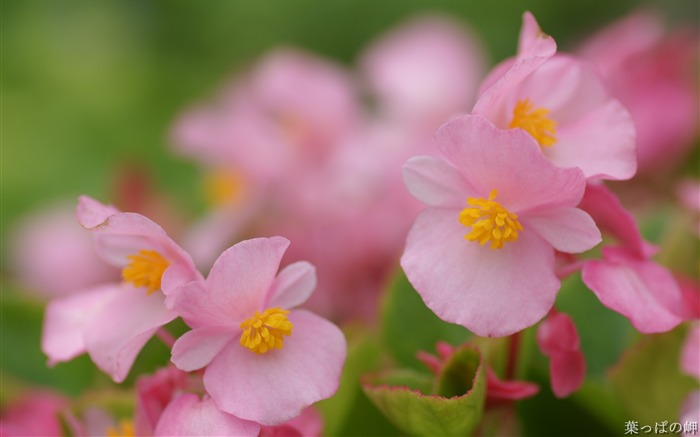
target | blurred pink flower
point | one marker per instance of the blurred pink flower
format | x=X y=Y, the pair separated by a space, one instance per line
x=308 y=424
x=34 y=413
x=424 y=70
x=263 y=362
x=560 y=101
x=493 y=186
x=688 y=192
x=153 y=394
x=188 y=415
x=558 y=339
x=690 y=354
x=53 y=255
x=652 y=73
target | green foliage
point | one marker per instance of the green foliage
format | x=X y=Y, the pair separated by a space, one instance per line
x=455 y=408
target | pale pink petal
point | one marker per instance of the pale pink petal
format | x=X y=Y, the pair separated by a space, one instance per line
x=509 y=161
x=493 y=293
x=690 y=412
x=567 y=372
x=186 y=415
x=568 y=230
x=122 y=326
x=274 y=387
x=641 y=290
x=196 y=348
x=435 y=182
x=610 y=216
x=65 y=319
x=91 y=213
x=533 y=42
x=601 y=143
x=690 y=354
x=292 y=286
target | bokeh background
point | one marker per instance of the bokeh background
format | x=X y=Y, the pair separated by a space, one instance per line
x=91 y=88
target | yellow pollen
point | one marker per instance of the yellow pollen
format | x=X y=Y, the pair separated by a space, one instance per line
x=535 y=122
x=145 y=269
x=224 y=187
x=490 y=222
x=264 y=332
x=124 y=429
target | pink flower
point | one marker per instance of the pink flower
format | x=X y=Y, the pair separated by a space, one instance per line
x=493 y=186
x=308 y=424
x=652 y=73
x=427 y=68
x=690 y=355
x=558 y=339
x=499 y=392
x=53 y=256
x=153 y=394
x=263 y=362
x=35 y=413
x=560 y=101
x=187 y=415
x=112 y=322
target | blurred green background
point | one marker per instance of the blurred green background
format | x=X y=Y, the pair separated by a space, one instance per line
x=91 y=86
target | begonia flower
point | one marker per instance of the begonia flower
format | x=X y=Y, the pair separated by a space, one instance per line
x=112 y=322
x=425 y=70
x=264 y=361
x=653 y=73
x=35 y=413
x=482 y=254
x=188 y=415
x=560 y=101
x=558 y=338
x=153 y=394
x=308 y=424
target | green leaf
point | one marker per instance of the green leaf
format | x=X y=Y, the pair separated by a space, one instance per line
x=648 y=381
x=454 y=408
x=409 y=326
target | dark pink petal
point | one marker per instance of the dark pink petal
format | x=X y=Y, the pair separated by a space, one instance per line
x=308 y=424
x=292 y=286
x=65 y=320
x=690 y=354
x=122 y=326
x=493 y=293
x=511 y=162
x=435 y=182
x=639 y=289
x=154 y=393
x=188 y=416
x=557 y=333
x=568 y=230
x=274 y=387
x=567 y=372
x=499 y=391
x=196 y=348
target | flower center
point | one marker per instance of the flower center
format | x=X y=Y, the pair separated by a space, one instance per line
x=145 y=269
x=535 y=122
x=124 y=429
x=264 y=332
x=490 y=221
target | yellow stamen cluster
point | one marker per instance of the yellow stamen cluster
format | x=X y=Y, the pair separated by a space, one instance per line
x=490 y=222
x=535 y=122
x=124 y=429
x=265 y=331
x=145 y=269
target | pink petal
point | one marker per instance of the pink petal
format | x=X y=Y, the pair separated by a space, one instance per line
x=435 y=182
x=274 y=387
x=186 y=415
x=196 y=348
x=567 y=371
x=292 y=286
x=640 y=290
x=557 y=333
x=91 y=213
x=533 y=42
x=493 y=293
x=65 y=319
x=308 y=424
x=511 y=162
x=154 y=393
x=567 y=229
x=499 y=391
x=122 y=326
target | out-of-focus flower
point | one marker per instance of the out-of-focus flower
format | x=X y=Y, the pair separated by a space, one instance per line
x=499 y=391
x=188 y=415
x=688 y=193
x=263 y=362
x=690 y=355
x=308 y=424
x=560 y=102
x=558 y=339
x=35 y=413
x=651 y=73
x=153 y=394
x=113 y=322
x=53 y=255
x=424 y=71
x=494 y=186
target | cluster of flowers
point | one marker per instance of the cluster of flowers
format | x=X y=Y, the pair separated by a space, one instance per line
x=514 y=189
